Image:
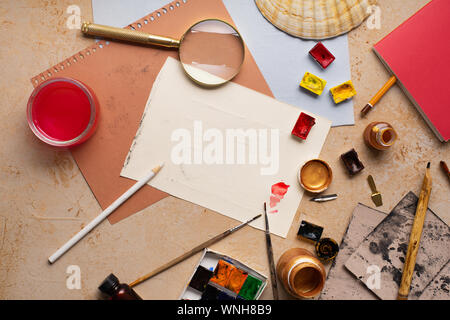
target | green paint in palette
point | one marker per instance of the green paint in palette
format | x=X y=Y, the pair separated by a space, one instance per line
x=250 y=288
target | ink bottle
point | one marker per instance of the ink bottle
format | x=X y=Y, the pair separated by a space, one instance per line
x=380 y=135
x=116 y=290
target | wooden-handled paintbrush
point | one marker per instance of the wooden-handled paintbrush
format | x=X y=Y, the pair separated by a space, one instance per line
x=273 y=275
x=191 y=252
x=416 y=234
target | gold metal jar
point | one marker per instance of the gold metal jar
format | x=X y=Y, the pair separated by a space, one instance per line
x=302 y=275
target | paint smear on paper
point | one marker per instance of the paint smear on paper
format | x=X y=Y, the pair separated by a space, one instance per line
x=278 y=191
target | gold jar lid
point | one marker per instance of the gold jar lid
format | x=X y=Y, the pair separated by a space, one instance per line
x=315 y=175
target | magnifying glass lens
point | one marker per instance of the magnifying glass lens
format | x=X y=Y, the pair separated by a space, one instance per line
x=212 y=52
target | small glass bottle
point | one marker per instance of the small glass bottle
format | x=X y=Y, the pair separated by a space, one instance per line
x=116 y=290
x=380 y=135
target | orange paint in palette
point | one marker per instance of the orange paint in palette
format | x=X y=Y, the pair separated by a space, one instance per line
x=237 y=279
x=62 y=112
x=222 y=273
x=228 y=276
x=219 y=277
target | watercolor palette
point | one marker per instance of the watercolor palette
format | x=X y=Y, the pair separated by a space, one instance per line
x=303 y=126
x=313 y=83
x=352 y=162
x=219 y=277
x=309 y=231
x=343 y=91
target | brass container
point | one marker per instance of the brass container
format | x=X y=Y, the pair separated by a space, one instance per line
x=302 y=275
x=315 y=176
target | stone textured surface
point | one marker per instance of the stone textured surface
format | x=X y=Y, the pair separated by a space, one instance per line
x=386 y=248
x=45 y=200
x=341 y=284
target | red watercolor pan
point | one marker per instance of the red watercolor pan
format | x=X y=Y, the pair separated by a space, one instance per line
x=321 y=54
x=62 y=112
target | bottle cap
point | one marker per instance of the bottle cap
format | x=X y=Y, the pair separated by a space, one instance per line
x=327 y=249
x=108 y=285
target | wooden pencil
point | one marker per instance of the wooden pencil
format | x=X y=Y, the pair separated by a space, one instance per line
x=392 y=80
x=273 y=275
x=102 y=216
x=191 y=252
x=414 y=239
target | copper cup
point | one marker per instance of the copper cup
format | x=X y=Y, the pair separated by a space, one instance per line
x=302 y=275
x=315 y=176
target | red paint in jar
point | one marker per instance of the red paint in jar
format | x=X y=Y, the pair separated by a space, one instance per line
x=62 y=112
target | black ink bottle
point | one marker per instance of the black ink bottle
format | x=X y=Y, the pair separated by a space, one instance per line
x=116 y=290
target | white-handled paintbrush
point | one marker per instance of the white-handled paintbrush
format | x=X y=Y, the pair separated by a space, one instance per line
x=102 y=216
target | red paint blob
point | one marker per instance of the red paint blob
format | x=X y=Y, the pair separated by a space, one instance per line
x=278 y=191
x=321 y=54
x=62 y=112
x=303 y=126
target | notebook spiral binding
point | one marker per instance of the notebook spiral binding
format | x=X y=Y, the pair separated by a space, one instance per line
x=102 y=44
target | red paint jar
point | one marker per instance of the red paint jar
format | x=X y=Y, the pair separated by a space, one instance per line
x=62 y=112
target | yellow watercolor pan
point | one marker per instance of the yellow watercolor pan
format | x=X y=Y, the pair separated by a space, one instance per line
x=313 y=83
x=343 y=91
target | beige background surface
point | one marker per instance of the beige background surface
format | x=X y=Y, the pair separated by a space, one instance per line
x=45 y=200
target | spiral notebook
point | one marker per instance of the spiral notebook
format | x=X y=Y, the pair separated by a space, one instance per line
x=122 y=75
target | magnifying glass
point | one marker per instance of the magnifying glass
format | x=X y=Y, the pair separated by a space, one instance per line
x=211 y=51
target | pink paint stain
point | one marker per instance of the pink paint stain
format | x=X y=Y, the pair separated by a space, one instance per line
x=278 y=191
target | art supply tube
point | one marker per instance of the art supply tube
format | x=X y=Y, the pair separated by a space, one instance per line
x=102 y=216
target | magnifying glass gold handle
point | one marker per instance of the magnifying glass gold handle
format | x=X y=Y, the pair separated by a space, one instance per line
x=127 y=35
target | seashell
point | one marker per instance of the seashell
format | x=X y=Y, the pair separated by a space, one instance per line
x=315 y=19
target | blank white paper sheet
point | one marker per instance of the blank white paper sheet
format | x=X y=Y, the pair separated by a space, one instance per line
x=223 y=148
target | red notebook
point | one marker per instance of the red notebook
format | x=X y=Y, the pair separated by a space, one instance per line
x=418 y=54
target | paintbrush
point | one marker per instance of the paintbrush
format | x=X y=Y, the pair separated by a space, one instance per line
x=416 y=234
x=190 y=253
x=445 y=169
x=273 y=275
